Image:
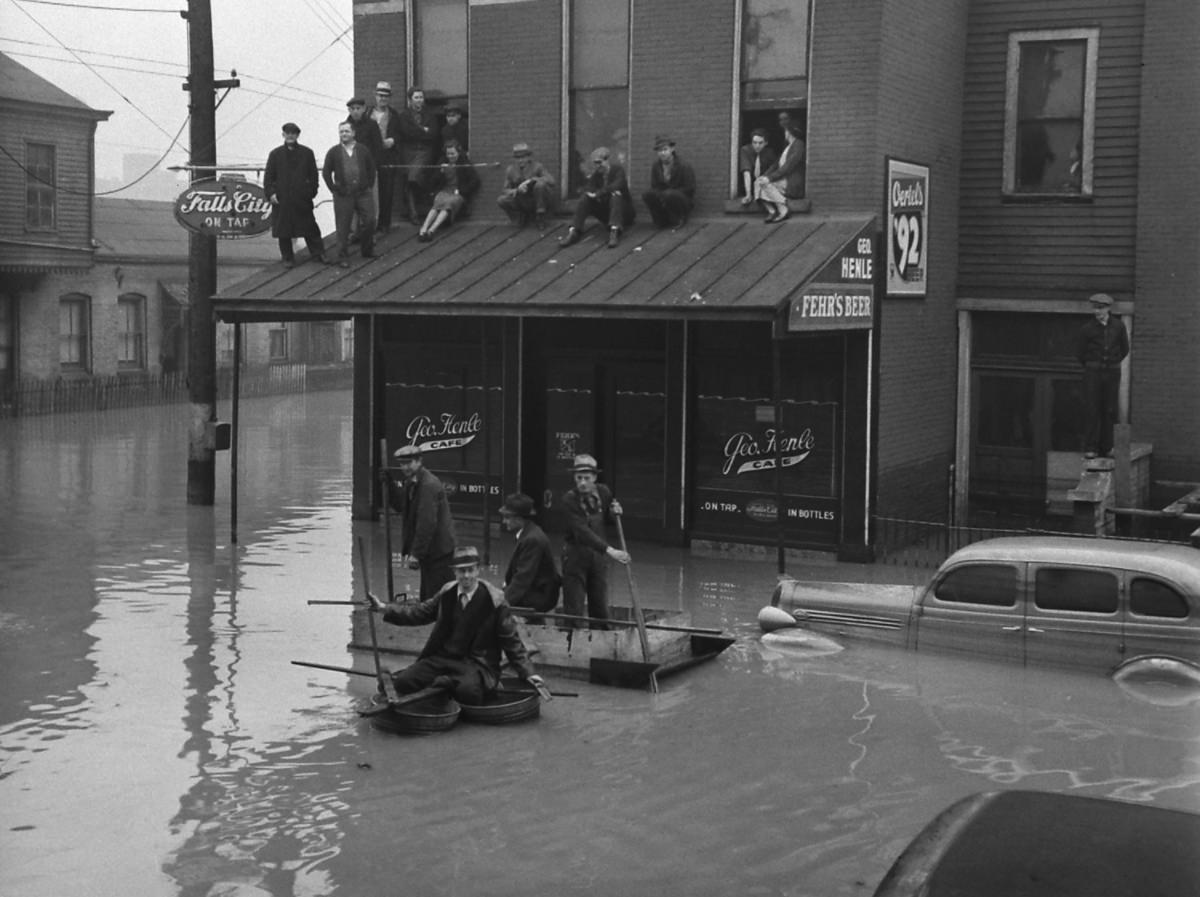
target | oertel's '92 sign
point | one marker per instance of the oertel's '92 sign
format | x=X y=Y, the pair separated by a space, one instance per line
x=908 y=228
x=224 y=207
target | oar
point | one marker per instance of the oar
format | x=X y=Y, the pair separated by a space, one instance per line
x=387 y=519
x=662 y=627
x=344 y=603
x=385 y=682
x=353 y=672
x=637 y=608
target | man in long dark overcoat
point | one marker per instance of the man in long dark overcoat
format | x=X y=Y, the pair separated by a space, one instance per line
x=291 y=183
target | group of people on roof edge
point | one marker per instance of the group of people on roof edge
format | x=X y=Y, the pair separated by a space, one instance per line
x=473 y=619
x=418 y=163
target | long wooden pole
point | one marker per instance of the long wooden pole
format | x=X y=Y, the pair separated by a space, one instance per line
x=387 y=517
x=362 y=559
x=637 y=608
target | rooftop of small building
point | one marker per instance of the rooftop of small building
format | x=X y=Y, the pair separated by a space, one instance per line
x=22 y=85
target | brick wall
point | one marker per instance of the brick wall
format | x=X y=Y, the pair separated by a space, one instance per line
x=1165 y=407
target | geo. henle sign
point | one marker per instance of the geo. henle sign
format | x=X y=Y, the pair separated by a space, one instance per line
x=840 y=296
x=224 y=207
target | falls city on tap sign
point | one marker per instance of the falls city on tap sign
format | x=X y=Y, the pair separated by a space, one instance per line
x=224 y=207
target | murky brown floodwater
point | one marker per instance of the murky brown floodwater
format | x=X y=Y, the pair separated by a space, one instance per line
x=154 y=739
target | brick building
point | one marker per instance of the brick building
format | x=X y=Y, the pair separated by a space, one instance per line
x=673 y=356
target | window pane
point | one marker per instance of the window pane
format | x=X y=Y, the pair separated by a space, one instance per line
x=1050 y=116
x=39 y=186
x=72 y=329
x=600 y=43
x=441 y=46
x=1005 y=411
x=992 y=584
x=1089 y=591
x=278 y=344
x=600 y=118
x=774 y=40
x=130 y=333
x=1151 y=598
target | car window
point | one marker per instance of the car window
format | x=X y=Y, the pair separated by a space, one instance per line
x=1151 y=598
x=1075 y=589
x=991 y=584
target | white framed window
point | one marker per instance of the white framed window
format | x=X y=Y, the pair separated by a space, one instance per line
x=131 y=332
x=74 y=332
x=41 y=190
x=277 y=342
x=1050 y=109
x=598 y=84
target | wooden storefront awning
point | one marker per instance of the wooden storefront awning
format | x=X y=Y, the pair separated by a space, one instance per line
x=729 y=269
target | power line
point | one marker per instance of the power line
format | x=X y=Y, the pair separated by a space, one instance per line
x=113 y=87
x=105 y=8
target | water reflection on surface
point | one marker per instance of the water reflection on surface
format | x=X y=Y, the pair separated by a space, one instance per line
x=154 y=738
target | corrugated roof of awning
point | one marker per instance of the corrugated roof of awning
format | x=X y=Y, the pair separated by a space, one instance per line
x=731 y=267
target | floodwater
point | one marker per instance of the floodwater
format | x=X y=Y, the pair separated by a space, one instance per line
x=155 y=739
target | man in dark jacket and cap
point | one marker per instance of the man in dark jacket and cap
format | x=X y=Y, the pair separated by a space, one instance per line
x=290 y=183
x=672 y=186
x=590 y=506
x=1103 y=345
x=531 y=579
x=472 y=627
x=428 y=527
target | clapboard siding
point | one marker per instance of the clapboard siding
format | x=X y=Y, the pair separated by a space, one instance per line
x=1052 y=249
x=71 y=137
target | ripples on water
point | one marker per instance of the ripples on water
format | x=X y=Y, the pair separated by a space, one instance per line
x=154 y=738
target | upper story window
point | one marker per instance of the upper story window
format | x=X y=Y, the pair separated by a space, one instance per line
x=599 y=86
x=1050 y=112
x=774 y=80
x=131 y=332
x=440 y=48
x=74 y=332
x=40 y=189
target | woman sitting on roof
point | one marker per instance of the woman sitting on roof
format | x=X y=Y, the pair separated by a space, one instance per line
x=456 y=183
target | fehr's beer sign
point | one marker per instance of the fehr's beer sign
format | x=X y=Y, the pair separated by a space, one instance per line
x=224 y=207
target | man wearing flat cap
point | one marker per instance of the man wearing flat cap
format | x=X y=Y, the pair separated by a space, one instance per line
x=531 y=579
x=386 y=122
x=604 y=195
x=672 y=186
x=1103 y=345
x=427 y=541
x=472 y=627
x=530 y=193
x=291 y=183
x=590 y=506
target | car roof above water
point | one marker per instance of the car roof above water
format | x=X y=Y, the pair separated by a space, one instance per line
x=1180 y=563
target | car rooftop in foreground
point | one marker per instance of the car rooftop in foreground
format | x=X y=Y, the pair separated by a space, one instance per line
x=1039 y=844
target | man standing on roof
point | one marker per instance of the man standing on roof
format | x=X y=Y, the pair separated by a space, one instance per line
x=386 y=122
x=427 y=542
x=472 y=626
x=291 y=183
x=589 y=506
x=349 y=173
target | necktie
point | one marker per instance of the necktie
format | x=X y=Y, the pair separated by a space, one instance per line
x=463 y=599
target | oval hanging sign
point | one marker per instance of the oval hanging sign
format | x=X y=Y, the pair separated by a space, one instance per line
x=224 y=207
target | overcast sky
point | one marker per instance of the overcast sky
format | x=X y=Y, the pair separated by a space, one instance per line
x=295 y=60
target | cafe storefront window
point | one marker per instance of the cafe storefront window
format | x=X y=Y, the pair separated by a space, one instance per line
x=737 y=445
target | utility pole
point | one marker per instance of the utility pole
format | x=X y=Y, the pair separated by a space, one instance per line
x=202 y=262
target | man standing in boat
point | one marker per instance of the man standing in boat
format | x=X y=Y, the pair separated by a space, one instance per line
x=473 y=625
x=590 y=506
x=531 y=579
x=428 y=528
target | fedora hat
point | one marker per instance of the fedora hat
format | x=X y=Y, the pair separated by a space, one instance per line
x=383 y=87
x=467 y=556
x=584 y=463
x=406 y=451
x=518 y=505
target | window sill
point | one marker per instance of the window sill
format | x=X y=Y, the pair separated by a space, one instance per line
x=735 y=207
x=1071 y=199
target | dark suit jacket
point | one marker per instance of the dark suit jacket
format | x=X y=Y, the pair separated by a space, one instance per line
x=428 y=527
x=606 y=184
x=480 y=632
x=531 y=579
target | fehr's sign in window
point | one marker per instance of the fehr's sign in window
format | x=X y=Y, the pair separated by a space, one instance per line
x=841 y=296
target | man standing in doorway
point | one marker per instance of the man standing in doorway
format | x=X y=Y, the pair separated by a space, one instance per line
x=428 y=538
x=1103 y=345
x=291 y=183
x=589 y=506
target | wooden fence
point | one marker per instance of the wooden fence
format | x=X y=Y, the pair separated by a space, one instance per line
x=34 y=397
